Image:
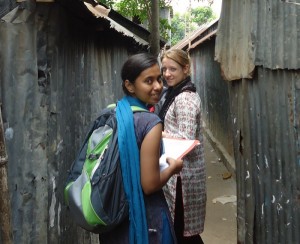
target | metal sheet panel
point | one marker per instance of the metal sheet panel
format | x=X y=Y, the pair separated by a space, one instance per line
x=276 y=34
x=213 y=92
x=257 y=33
x=266 y=123
x=234 y=48
x=6 y=6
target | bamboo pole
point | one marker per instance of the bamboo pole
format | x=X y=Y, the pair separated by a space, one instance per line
x=5 y=213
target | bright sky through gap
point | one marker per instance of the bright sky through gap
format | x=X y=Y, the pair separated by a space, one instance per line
x=181 y=6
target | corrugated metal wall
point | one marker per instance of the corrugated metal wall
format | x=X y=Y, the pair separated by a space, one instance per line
x=257 y=47
x=56 y=74
x=6 y=6
x=266 y=142
x=213 y=92
x=276 y=33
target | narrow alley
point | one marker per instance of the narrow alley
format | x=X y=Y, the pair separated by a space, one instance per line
x=220 y=224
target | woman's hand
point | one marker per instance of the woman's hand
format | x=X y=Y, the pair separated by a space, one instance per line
x=175 y=164
x=152 y=179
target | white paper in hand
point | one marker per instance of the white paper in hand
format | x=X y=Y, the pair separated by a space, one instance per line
x=175 y=148
x=163 y=162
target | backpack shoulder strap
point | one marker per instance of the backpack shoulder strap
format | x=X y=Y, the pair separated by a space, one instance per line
x=138 y=109
x=133 y=108
x=112 y=105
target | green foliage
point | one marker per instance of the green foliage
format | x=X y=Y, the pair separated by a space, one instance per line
x=177 y=28
x=134 y=8
x=164 y=29
x=202 y=15
x=139 y=9
x=108 y=3
x=183 y=24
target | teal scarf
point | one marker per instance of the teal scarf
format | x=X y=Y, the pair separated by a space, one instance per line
x=130 y=165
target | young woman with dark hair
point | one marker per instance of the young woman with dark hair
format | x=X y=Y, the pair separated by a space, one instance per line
x=139 y=140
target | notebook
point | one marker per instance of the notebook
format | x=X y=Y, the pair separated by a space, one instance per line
x=175 y=148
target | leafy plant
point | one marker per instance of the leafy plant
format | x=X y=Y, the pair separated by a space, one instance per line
x=202 y=15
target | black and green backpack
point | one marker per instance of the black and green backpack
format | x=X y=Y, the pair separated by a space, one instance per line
x=94 y=191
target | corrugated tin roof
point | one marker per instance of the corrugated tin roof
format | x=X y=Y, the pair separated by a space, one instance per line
x=204 y=32
x=6 y=6
x=95 y=13
x=121 y=23
x=102 y=12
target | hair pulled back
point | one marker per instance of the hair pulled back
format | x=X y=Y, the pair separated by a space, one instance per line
x=135 y=65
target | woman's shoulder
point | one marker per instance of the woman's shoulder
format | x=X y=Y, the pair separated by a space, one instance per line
x=188 y=96
x=146 y=119
x=144 y=122
x=147 y=115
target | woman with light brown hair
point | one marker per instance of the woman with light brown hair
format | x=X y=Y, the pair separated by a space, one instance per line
x=181 y=116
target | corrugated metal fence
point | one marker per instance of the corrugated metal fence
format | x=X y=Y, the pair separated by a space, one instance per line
x=214 y=94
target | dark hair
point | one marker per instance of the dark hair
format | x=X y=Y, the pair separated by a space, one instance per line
x=135 y=65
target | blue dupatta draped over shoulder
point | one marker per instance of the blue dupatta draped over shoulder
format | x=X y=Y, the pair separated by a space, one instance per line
x=130 y=165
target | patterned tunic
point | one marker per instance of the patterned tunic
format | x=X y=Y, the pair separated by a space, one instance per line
x=183 y=120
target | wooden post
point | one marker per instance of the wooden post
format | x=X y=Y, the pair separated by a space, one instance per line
x=154 y=27
x=5 y=213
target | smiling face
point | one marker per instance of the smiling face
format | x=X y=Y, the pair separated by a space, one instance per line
x=173 y=72
x=147 y=86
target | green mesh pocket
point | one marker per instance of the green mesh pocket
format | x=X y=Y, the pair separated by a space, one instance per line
x=97 y=145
